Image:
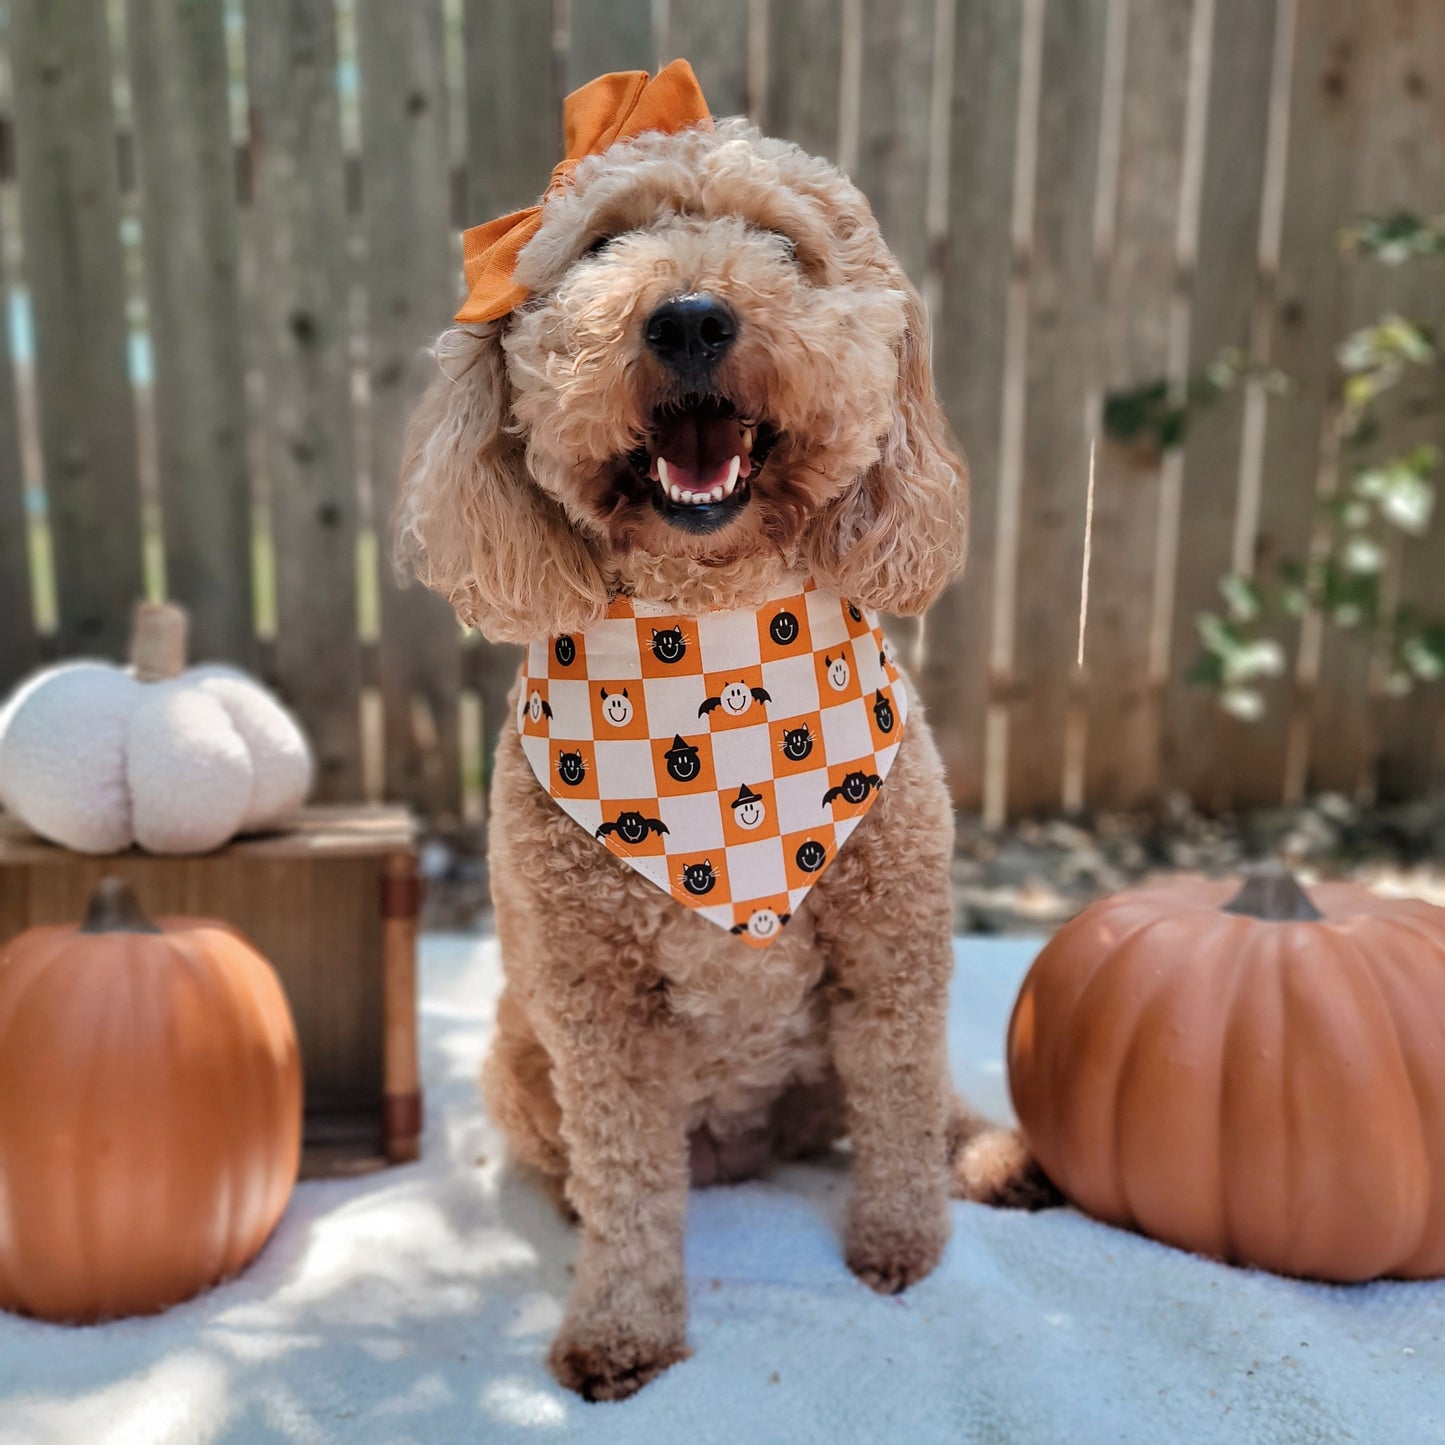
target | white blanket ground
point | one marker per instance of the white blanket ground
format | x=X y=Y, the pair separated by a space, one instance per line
x=417 y=1304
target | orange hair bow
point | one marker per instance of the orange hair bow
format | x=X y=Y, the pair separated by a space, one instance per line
x=611 y=108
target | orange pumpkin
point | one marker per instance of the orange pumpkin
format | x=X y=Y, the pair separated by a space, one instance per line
x=150 y=1111
x=1253 y=1074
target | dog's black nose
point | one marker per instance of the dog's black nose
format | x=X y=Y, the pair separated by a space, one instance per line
x=691 y=333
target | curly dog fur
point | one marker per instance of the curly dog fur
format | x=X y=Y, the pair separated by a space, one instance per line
x=637 y=1046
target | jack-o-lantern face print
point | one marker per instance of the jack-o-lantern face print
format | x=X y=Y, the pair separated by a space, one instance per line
x=783 y=629
x=564 y=649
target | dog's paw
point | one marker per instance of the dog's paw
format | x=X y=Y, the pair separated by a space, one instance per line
x=890 y=1257
x=610 y=1363
x=995 y=1167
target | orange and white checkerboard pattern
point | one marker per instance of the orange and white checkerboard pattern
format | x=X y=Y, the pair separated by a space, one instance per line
x=726 y=757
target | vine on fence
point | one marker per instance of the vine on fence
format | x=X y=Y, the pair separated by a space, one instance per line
x=1375 y=504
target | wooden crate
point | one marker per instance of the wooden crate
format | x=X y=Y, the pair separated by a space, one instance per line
x=332 y=902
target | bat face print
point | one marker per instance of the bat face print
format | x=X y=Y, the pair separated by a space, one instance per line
x=763 y=924
x=632 y=828
x=616 y=707
x=783 y=629
x=838 y=673
x=537 y=708
x=749 y=809
x=882 y=712
x=668 y=644
x=735 y=699
x=811 y=855
x=699 y=878
x=571 y=768
x=797 y=743
x=565 y=651
x=683 y=765
x=854 y=788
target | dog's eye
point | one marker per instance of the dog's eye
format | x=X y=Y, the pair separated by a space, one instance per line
x=789 y=245
x=599 y=245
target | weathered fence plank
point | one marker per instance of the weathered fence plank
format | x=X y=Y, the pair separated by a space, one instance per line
x=804 y=57
x=968 y=351
x=19 y=645
x=299 y=289
x=1137 y=279
x=1305 y=326
x=514 y=111
x=609 y=35
x=1056 y=442
x=514 y=138
x=412 y=276
x=177 y=53
x=70 y=228
x=713 y=36
x=1222 y=311
x=1402 y=167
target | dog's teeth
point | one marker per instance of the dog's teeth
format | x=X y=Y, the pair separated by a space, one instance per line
x=732 y=481
x=662 y=473
x=747 y=438
x=717 y=494
x=677 y=494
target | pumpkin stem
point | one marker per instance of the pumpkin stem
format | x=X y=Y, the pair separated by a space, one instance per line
x=1272 y=893
x=113 y=909
x=158 y=641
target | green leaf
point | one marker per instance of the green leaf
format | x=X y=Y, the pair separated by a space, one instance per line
x=1241 y=597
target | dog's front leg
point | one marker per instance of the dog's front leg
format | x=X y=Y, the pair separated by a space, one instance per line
x=616 y=1079
x=885 y=925
x=889 y=1047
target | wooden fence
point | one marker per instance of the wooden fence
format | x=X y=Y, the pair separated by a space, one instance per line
x=228 y=230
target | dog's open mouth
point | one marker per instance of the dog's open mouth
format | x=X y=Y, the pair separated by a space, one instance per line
x=701 y=458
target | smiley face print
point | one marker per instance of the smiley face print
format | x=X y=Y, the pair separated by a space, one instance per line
x=784 y=629
x=668 y=644
x=734 y=699
x=854 y=788
x=537 y=707
x=699 y=879
x=616 y=707
x=763 y=925
x=797 y=743
x=683 y=763
x=564 y=649
x=571 y=768
x=632 y=828
x=811 y=855
x=838 y=672
x=883 y=712
x=749 y=809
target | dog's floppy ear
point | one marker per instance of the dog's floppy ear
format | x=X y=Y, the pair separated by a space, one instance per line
x=897 y=536
x=470 y=522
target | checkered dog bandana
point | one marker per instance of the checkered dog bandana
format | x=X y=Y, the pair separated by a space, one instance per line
x=725 y=757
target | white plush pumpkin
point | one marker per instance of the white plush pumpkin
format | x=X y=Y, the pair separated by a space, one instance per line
x=100 y=757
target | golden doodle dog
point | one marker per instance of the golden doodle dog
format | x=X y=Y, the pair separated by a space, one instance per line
x=693 y=382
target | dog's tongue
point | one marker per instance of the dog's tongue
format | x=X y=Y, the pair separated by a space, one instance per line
x=698 y=448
